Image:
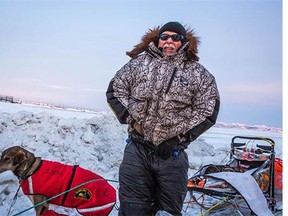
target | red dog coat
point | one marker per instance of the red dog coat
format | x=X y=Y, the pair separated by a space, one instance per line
x=52 y=178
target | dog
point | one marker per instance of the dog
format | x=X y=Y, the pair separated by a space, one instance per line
x=88 y=193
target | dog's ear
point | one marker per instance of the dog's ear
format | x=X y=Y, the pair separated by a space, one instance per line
x=18 y=158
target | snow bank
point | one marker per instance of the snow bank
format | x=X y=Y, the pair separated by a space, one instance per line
x=96 y=144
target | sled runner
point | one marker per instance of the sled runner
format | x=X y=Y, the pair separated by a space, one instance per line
x=250 y=176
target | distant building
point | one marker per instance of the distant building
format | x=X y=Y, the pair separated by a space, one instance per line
x=9 y=99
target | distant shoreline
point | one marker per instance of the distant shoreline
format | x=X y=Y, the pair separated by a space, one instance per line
x=95 y=112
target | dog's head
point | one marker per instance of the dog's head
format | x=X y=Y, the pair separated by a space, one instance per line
x=14 y=157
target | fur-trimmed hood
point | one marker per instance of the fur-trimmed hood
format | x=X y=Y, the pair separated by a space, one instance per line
x=153 y=36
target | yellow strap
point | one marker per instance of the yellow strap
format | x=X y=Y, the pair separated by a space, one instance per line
x=225 y=199
x=267 y=140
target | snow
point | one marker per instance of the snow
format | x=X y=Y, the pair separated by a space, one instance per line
x=96 y=141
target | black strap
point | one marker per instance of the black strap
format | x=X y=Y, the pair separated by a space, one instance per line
x=69 y=184
x=134 y=137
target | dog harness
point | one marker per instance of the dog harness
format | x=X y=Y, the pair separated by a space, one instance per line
x=52 y=178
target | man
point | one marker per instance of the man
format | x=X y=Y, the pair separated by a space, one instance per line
x=167 y=99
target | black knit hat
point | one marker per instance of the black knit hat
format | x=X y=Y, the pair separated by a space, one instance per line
x=174 y=27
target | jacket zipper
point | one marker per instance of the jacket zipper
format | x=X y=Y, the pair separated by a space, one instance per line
x=171 y=80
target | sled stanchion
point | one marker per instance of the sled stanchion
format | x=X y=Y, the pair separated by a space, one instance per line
x=271 y=185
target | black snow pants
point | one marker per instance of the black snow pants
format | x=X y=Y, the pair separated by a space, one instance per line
x=149 y=183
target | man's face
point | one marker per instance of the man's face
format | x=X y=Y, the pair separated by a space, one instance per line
x=169 y=46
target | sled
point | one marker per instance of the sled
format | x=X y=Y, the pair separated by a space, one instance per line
x=247 y=180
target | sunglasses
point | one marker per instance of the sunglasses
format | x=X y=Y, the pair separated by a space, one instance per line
x=175 y=37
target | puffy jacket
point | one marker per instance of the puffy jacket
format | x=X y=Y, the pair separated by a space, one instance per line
x=172 y=96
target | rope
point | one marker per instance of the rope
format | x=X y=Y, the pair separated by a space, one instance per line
x=223 y=200
x=14 y=201
x=238 y=211
x=60 y=194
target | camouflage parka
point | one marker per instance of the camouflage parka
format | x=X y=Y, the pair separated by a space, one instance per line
x=171 y=96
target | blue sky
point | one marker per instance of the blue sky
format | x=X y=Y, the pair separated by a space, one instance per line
x=66 y=52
